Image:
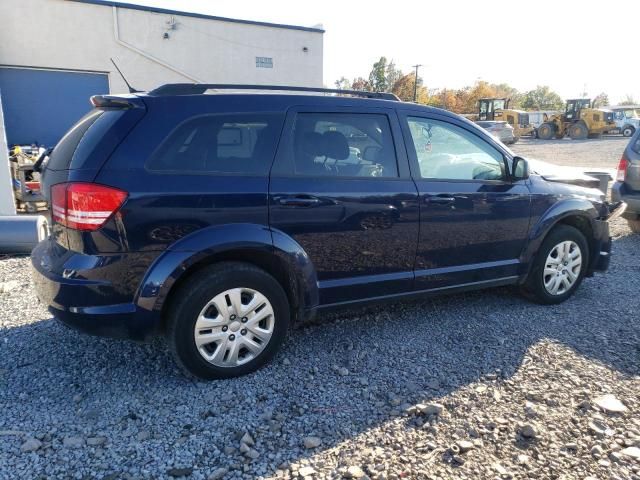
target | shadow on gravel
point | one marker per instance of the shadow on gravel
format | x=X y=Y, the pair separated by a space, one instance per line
x=418 y=352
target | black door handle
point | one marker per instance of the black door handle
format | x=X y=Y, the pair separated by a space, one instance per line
x=299 y=201
x=440 y=200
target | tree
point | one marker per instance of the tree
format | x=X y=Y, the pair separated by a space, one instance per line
x=360 y=84
x=378 y=75
x=601 y=100
x=343 y=83
x=628 y=100
x=542 y=98
x=393 y=75
x=403 y=88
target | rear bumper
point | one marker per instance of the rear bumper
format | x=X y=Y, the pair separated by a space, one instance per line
x=90 y=306
x=620 y=193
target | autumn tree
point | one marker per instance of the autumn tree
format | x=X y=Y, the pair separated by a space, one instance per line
x=542 y=98
x=628 y=100
x=360 y=84
x=393 y=74
x=404 y=88
x=601 y=100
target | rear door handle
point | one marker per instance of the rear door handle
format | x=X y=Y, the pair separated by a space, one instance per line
x=440 y=200
x=299 y=201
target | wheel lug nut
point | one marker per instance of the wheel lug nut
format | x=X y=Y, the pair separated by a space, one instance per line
x=232 y=337
x=225 y=328
x=244 y=319
x=243 y=331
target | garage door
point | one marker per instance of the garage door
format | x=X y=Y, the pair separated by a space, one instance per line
x=41 y=105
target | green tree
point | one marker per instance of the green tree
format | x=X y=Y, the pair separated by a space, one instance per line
x=542 y=98
x=378 y=75
x=393 y=74
x=343 y=83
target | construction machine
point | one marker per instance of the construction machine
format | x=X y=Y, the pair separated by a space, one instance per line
x=498 y=109
x=580 y=120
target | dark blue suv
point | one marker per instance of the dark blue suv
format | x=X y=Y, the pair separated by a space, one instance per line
x=219 y=219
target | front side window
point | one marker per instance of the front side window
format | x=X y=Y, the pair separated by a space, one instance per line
x=447 y=152
x=237 y=143
x=343 y=145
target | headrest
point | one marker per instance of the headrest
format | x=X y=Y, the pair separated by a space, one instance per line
x=335 y=145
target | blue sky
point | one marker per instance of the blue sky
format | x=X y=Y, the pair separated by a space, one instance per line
x=572 y=46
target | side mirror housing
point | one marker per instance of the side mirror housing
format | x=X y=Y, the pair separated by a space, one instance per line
x=519 y=169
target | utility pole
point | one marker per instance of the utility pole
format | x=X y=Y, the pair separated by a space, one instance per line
x=415 y=83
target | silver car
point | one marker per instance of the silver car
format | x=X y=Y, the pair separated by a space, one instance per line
x=499 y=130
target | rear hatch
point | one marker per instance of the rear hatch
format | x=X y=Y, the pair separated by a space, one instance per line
x=629 y=168
x=79 y=155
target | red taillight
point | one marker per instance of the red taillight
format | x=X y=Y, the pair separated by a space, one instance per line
x=622 y=169
x=84 y=206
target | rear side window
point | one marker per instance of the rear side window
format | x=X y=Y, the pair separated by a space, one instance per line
x=238 y=143
x=64 y=150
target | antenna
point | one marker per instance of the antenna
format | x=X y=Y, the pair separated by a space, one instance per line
x=131 y=89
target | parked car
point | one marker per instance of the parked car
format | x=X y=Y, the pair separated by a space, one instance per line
x=626 y=188
x=218 y=220
x=500 y=130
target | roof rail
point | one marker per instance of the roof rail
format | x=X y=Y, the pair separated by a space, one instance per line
x=198 y=88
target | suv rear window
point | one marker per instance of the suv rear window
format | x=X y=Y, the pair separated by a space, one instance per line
x=62 y=154
x=237 y=143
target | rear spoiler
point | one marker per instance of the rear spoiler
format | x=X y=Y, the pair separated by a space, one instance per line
x=119 y=101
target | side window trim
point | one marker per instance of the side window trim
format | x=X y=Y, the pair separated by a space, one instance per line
x=413 y=156
x=281 y=168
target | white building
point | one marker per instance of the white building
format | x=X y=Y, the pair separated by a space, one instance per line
x=54 y=54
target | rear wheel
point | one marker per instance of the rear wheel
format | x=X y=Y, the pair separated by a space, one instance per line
x=546 y=131
x=628 y=131
x=559 y=266
x=634 y=225
x=227 y=320
x=578 y=131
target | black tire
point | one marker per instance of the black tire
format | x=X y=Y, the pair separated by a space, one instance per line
x=192 y=296
x=578 y=131
x=546 y=131
x=634 y=225
x=533 y=287
x=628 y=131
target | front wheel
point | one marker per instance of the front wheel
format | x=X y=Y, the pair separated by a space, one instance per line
x=628 y=131
x=559 y=266
x=546 y=131
x=227 y=320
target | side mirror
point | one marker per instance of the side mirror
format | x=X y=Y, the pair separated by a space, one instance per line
x=520 y=169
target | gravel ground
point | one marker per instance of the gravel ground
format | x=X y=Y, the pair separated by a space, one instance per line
x=599 y=153
x=474 y=386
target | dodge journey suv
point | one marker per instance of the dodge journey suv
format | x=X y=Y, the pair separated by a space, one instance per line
x=219 y=216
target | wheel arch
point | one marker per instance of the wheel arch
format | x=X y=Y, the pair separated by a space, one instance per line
x=270 y=250
x=577 y=213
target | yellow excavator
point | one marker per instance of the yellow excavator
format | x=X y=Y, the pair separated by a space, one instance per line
x=580 y=120
x=498 y=109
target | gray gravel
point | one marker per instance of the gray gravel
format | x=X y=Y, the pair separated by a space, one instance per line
x=481 y=385
x=599 y=153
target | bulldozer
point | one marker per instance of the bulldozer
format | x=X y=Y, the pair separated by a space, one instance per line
x=498 y=109
x=580 y=120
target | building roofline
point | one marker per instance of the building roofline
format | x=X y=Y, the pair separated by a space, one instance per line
x=131 y=6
